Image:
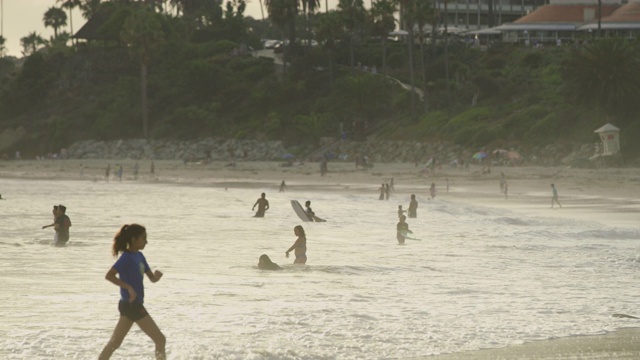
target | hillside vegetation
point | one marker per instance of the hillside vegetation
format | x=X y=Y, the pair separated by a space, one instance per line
x=201 y=81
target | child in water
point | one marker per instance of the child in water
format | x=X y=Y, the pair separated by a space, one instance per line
x=265 y=263
x=130 y=268
x=402 y=229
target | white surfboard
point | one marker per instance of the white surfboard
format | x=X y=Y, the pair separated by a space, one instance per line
x=299 y=210
x=303 y=214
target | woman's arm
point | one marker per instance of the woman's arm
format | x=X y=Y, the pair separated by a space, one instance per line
x=154 y=276
x=295 y=245
x=111 y=276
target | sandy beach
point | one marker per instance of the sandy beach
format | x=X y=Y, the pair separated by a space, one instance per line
x=585 y=194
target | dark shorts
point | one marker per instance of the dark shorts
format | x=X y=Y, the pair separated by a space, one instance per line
x=133 y=311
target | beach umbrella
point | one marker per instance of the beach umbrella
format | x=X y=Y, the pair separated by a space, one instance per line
x=480 y=155
x=499 y=151
x=288 y=156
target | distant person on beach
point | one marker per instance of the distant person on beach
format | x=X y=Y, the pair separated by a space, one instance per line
x=120 y=170
x=283 y=186
x=300 y=246
x=55 y=215
x=506 y=189
x=554 y=197
x=432 y=191
x=387 y=191
x=502 y=181
x=413 y=207
x=63 y=223
x=402 y=229
x=263 y=205
x=265 y=263
x=382 y=191
x=130 y=268
x=153 y=167
x=400 y=212
x=107 y=171
x=136 y=169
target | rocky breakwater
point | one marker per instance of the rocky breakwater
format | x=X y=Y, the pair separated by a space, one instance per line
x=378 y=151
x=188 y=150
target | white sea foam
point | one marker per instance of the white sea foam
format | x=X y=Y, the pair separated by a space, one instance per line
x=480 y=277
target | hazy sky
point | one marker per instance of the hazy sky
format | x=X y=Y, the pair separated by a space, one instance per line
x=22 y=17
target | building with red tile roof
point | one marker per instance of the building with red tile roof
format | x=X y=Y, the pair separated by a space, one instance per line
x=564 y=20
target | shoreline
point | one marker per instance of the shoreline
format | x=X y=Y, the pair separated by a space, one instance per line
x=584 y=193
x=617 y=345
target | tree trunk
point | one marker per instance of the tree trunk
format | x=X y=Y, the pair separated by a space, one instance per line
x=143 y=88
x=384 y=56
x=424 y=73
x=351 y=54
x=73 y=42
x=411 y=75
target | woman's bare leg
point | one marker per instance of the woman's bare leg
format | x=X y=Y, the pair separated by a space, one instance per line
x=150 y=328
x=121 y=330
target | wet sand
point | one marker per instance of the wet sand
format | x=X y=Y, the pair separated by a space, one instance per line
x=622 y=344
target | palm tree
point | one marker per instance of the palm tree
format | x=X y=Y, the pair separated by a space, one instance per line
x=89 y=8
x=2 y=47
x=282 y=14
x=55 y=18
x=409 y=17
x=328 y=29
x=605 y=75
x=31 y=43
x=353 y=16
x=383 y=23
x=308 y=9
x=142 y=33
x=424 y=14
x=70 y=5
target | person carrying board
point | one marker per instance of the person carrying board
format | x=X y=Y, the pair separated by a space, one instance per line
x=402 y=229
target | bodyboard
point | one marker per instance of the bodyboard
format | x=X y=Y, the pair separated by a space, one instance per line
x=299 y=210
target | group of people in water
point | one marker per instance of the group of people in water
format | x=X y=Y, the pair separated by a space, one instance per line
x=128 y=271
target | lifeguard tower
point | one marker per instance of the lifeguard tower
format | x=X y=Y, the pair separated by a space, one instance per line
x=607 y=151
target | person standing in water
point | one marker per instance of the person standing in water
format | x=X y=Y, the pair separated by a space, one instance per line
x=300 y=246
x=53 y=224
x=283 y=186
x=402 y=229
x=432 y=191
x=130 y=268
x=413 y=207
x=63 y=223
x=263 y=205
x=554 y=197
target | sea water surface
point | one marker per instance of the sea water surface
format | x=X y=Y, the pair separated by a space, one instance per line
x=479 y=278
